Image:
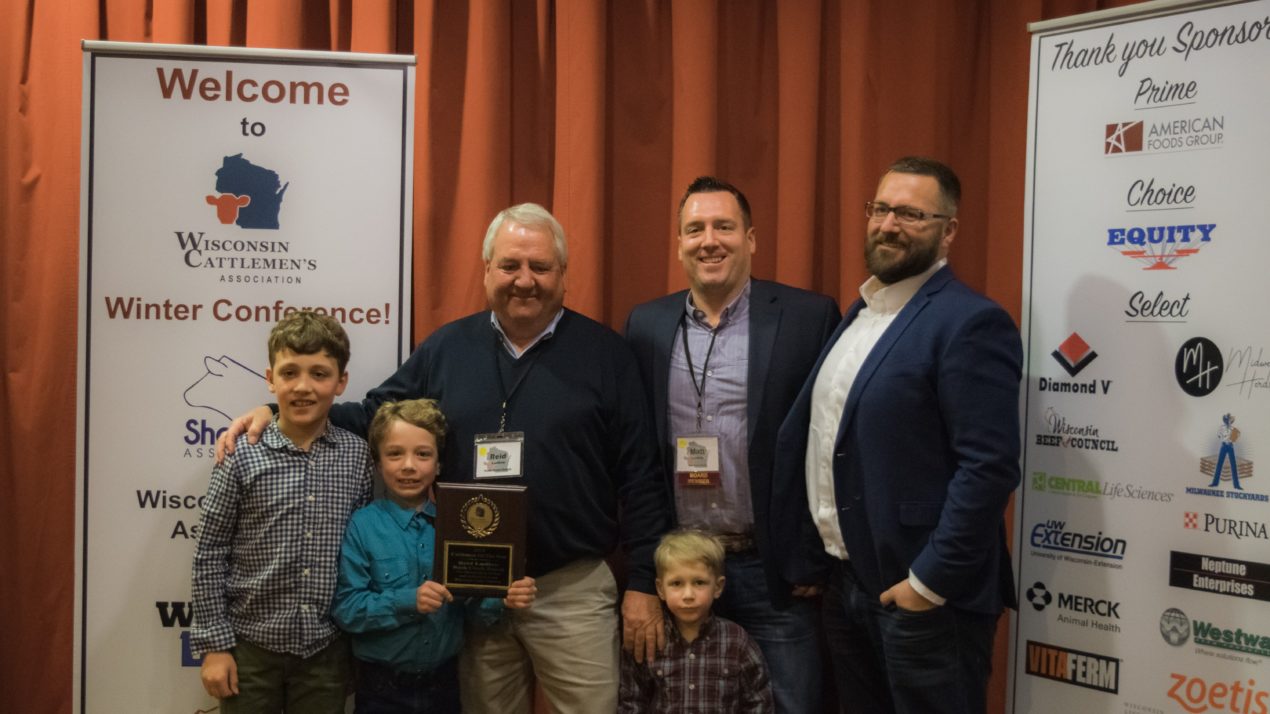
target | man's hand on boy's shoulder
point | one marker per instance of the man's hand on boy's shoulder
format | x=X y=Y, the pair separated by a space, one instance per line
x=220 y=674
x=253 y=422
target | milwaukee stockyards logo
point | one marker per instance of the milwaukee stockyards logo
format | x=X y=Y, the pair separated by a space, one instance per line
x=1223 y=576
x=1083 y=669
x=1054 y=540
x=1227 y=473
x=1195 y=133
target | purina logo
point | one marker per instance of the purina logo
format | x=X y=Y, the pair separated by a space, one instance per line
x=1123 y=138
x=1074 y=354
x=1237 y=528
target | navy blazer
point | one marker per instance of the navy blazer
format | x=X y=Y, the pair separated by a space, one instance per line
x=788 y=327
x=927 y=452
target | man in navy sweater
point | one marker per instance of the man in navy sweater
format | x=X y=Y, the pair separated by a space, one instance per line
x=564 y=391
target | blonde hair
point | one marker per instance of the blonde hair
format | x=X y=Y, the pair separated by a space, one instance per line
x=688 y=545
x=423 y=413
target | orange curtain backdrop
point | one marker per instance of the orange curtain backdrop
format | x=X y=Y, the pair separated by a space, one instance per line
x=602 y=111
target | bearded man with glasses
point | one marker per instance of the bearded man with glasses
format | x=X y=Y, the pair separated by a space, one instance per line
x=897 y=461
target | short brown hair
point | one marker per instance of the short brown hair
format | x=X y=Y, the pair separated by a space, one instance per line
x=423 y=413
x=305 y=332
x=688 y=545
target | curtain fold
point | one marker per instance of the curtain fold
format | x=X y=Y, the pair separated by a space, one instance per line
x=601 y=111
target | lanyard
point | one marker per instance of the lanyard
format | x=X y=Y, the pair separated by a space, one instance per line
x=699 y=388
x=498 y=369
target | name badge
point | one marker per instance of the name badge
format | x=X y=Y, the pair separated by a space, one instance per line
x=499 y=455
x=697 y=461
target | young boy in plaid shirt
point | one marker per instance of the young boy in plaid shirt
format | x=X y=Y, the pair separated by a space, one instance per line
x=273 y=520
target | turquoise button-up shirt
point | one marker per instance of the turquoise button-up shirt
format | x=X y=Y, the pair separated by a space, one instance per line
x=387 y=554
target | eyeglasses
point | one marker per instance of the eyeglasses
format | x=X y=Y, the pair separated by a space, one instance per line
x=903 y=214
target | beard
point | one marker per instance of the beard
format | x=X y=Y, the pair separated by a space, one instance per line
x=916 y=259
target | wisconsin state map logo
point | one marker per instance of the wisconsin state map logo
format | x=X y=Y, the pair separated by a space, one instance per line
x=250 y=196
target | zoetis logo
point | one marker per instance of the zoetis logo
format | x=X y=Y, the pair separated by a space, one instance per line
x=1083 y=669
x=1197 y=695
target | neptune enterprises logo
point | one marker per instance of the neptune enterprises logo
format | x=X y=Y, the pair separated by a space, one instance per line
x=1053 y=539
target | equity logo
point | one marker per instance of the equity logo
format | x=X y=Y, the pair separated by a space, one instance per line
x=1198 y=366
x=1083 y=669
x=1197 y=695
x=1123 y=138
x=1160 y=247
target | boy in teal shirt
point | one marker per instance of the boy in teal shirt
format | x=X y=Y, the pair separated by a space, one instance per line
x=407 y=629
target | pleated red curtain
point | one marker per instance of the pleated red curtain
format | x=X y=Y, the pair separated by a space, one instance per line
x=602 y=111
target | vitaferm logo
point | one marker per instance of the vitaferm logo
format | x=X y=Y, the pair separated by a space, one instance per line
x=1197 y=695
x=1083 y=669
x=1160 y=247
x=1053 y=539
x=1220 y=575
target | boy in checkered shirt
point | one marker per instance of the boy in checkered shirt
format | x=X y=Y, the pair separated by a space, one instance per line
x=266 y=562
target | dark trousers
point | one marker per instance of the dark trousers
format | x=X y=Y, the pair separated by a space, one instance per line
x=894 y=661
x=380 y=690
x=789 y=639
x=276 y=682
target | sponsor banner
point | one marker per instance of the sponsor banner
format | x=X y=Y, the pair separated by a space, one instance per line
x=222 y=190
x=1147 y=365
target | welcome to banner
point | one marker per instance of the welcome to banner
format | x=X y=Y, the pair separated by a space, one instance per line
x=221 y=190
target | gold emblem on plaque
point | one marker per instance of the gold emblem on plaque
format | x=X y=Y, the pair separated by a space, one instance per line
x=479 y=516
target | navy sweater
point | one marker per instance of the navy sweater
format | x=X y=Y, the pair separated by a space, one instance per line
x=589 y=452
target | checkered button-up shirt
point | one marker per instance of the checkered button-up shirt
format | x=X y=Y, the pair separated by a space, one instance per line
x=266 y=561
x=720 y=672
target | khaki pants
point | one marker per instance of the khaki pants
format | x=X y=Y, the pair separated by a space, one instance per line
x=568 y=640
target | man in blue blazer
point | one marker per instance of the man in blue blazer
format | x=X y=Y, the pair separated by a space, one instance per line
x=722 y=362
x=897 y=461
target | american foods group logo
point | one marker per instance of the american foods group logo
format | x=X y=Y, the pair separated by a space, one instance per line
x=1165 y=136
x=1123 y=138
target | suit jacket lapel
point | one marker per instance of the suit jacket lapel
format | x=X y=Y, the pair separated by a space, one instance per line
x=665 y=327
x=765 y=316
x=877 y=355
